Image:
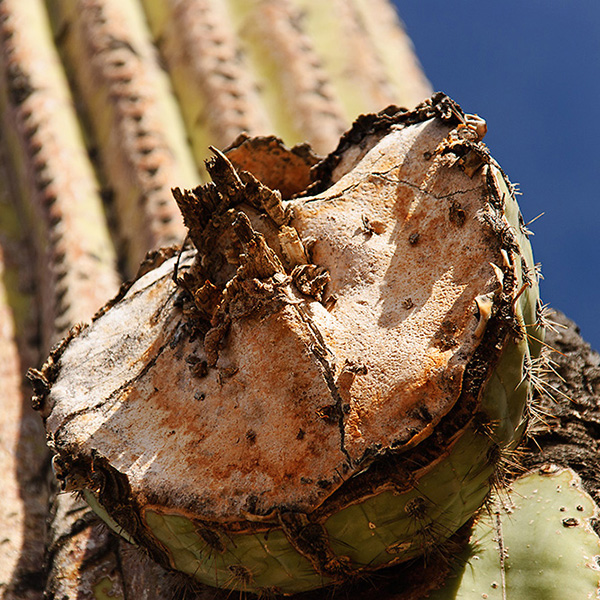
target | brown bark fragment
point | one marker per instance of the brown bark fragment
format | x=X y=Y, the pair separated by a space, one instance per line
x=273 y=164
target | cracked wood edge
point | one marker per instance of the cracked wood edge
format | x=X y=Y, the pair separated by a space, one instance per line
x=132 y=116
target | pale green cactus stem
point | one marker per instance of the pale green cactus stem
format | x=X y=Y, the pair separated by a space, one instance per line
x=134 y=122
x=62 y=206
x=535 y=541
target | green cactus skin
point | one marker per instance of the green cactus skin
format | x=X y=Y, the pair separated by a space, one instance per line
x=550 y=551
x=371 y=533
x=106 y=589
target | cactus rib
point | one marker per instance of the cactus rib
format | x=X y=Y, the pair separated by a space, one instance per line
x=395 y=50
x=62 y=206
x=22 y=444
x=75 y=259
x=130 y=109
x=218 y=97
x=351 y=55
x=296 y=87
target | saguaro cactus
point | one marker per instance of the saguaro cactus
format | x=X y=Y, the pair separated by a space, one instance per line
x=108 y=104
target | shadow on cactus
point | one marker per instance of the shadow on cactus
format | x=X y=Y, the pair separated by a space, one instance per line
x=324 y=382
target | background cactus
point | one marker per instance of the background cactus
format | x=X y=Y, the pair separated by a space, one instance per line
x=227 y=68
x=531 y=543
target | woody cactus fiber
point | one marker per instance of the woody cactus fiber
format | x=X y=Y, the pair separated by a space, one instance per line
x=324 y=363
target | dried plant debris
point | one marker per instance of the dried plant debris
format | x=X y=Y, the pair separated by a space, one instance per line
x=267 y=411
x=273 y=164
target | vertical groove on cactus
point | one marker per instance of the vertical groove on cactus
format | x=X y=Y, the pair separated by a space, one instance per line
x=350 y=53
x=395 y=49
x=295 y=85
x=129 y=106
x=76 y=262
x=217 y=93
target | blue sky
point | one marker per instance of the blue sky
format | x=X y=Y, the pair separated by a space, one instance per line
x=531 y=68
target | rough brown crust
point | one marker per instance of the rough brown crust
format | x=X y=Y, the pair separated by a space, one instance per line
x=375 y=126
x=273 y=164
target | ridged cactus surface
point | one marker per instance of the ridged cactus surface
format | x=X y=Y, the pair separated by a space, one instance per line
x=108 y=104
x=536 y=542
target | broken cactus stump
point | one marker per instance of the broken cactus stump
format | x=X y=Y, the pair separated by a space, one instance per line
x=325 y=381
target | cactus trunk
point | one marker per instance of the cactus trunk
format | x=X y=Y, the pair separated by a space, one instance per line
x=394 y=418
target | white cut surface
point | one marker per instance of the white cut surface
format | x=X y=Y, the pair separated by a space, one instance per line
x=398 y=301
x=262 y=429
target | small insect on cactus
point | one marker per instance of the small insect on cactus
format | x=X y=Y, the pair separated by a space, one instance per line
x=325 y=381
